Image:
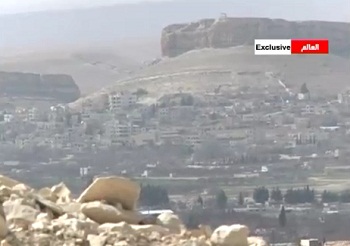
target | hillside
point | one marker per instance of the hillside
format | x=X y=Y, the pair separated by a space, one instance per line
x=229 y=32
x=98 y=46
x=92 y=66
x=204 y=70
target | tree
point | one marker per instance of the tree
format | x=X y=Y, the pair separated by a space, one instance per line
x=187 y=100
x=200 y=201
x=282 y=219
x=261 y=195
x=276 y=195
x=304 y=89
x=141 y=92
x=211 y=150
x=213 y=116
x=240 y=199
x=300 y=196
x=79 y=119
x=68 y=119
x=221 y=199
x=90 y=129
x=308 y=195
x=192 y=220
x=345 y=196
x=328 y=196
x=330 y=120
x=153 y=196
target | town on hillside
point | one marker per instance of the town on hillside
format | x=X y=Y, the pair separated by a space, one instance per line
x=231 y=139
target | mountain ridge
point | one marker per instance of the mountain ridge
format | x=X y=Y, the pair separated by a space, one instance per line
x=229 y=32
x=145 y=19
x=60 y=87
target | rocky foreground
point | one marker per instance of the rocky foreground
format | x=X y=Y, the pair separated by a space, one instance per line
x=104 y=214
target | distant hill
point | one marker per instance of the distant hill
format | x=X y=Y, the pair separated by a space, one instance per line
x=91 y=66
x=58 y=87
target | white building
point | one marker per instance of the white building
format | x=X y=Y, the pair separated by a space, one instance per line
x=193 y=140
x=116 y=131
x=23 y=142
x=58 y=141
x=8 y=117
x=87 y=110
x=171 y=136
x=121 y=100
x=33 y=114
x=44 y=126
x=163 y=112
x=308 y=109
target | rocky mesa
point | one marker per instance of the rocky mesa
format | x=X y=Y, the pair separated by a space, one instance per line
x=59 y=87
x=104 y=214
x=227 y=32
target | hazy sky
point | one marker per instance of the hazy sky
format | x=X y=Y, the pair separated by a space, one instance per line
x=103 y=25
x=22 y=6
x=330 y=8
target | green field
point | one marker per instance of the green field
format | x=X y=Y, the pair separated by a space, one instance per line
x=185 y=185
x=194 y=186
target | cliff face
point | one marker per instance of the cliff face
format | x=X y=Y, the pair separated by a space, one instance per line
x=54 y=86
x=228 y=32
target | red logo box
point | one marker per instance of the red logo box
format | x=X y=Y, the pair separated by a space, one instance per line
x=309 y=46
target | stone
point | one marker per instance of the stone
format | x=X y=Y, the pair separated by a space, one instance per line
x=234 y=235
x=6 y=181
x=5 y=243
x=21 y=189
x=87 y=226
x=3 y=224
x=72 y=207
x=256 y=241
x=14 y=197
x=155 y=236
x=170 y=221
x=96 y=240
x=193 y=242
x=103 y=213
x=121 y=227
x=67 y=216
x=203 y=230
x=39 y=225
x=19 y=214
x=45 y=217
x=47 y=204
x=5 y=191
x=43 y=240
x=148 y=229
x=46 y=193
x=122 y=243
x=113 y=190
x=62 y=192
x=12 y=239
